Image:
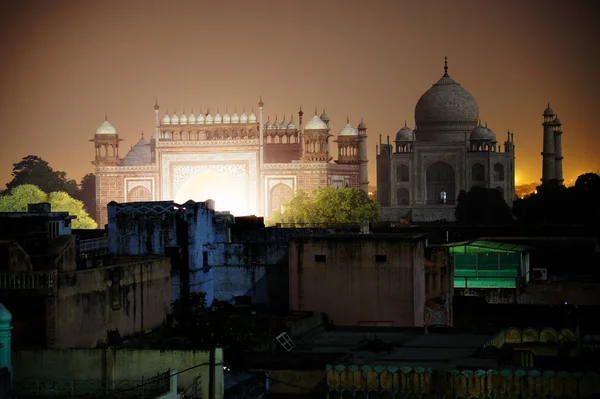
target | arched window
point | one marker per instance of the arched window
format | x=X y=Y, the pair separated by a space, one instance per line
x=478 y=172
x=402 y=173
x=402 y=196
x=499 y=172
x=139 y=194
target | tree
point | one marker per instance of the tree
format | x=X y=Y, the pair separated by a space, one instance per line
x=327 y=205
x=34 y=170
x=20 y=196
x=63 y=202
x=18 y=199
x=87 y=194
x=482 y=206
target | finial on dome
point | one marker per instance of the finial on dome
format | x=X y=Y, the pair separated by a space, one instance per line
x=316 y=112
x=226 y=109
x=347 y=119
x=105 y=117
x=446 y=66
x=405 y=125
x=142 y=134
x=156 y=106
x=486 y=124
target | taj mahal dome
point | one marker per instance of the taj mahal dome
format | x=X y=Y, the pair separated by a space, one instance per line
x=421 y=172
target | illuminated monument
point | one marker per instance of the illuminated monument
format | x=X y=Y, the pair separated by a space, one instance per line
x=247 y=165
x=420 y=175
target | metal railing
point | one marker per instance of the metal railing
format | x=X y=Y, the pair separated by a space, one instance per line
x=28 y=280
x=94 y=244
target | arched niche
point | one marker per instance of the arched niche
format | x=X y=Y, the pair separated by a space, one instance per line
x=278 y=195
x=499 y=172
x=402 y=196
x=440 y=179
x=402 y=173
x=478 y=172
x=139 y=194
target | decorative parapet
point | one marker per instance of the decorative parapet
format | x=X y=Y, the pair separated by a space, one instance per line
x=29 y=281
x=403 y=381
x=515 y=335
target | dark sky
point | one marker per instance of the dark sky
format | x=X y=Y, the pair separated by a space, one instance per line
x=66 y=63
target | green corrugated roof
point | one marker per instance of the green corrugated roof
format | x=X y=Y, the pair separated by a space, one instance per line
x=488 y=245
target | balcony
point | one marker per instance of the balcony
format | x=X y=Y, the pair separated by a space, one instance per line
x=28 y=281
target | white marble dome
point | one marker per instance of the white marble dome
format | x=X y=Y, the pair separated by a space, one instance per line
x=106 y=128
x=235 y=118
x=481 y=133
x=200 y=119
x=209 y=119
x=244 y=118
x=183 y=120
x=226 y=118
x=166 y=120
x=218 y=118
x=252 y=118
x=175 y=119
x=315 y=124
x=192 y=119
x=405 y=134
x=348 y=130
x=446 y=105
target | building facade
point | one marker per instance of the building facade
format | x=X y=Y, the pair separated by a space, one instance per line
x=420 y=174
x=381 y=280
x=245 y=164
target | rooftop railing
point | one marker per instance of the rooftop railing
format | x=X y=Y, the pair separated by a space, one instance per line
x=94 y=244
x=28 y=280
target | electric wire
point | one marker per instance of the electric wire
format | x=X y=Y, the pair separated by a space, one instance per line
x=154 y=381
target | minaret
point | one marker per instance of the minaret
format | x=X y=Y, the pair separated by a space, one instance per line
x=548 y=154
x=261 y=147
x=558 y=150
x=363 y=170
x=156 y=109
x=301 y=134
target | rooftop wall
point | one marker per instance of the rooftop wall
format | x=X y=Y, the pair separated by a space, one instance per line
x=360 y=280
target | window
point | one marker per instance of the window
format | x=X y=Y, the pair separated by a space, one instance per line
x=380 y=258
x=205 y=265
x=320 y=258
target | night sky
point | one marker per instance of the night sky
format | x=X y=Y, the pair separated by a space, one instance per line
x=67 y=63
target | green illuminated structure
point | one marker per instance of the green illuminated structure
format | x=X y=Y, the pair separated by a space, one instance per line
x=488 y=264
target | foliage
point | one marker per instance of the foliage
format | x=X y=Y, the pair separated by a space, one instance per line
x=327 y=205
x=63 y=202
x=482 y=206
x=557 y=204
x=87 y=194
x=20 y=196
x=34 y=170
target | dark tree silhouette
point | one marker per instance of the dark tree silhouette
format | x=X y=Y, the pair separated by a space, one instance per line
x=555 y=204
x=482 y=206
x=87 y=194
x=35 y=171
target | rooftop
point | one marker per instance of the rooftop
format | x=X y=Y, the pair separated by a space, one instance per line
x=443 y=349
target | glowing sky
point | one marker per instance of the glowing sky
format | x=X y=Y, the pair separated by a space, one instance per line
x=66 y=63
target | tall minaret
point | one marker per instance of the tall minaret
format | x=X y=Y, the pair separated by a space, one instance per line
x=156 y=109
x=301 y=135
x=363 y=170
x=558 y=150
x=261 y=147
x=548 y=154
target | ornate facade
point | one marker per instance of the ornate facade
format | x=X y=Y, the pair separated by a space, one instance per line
x=420 y=174
x=247 y=165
